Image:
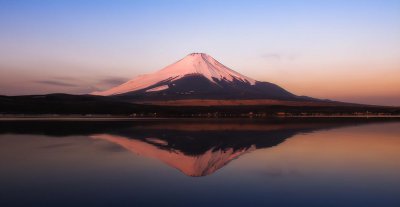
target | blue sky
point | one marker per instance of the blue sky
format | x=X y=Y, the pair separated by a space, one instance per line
x=315 y=48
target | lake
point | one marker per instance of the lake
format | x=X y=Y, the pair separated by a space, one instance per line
x=200 y=163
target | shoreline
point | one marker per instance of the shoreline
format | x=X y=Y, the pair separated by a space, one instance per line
x=126 y=118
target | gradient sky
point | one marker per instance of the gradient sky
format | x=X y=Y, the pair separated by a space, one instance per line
x=342 y=50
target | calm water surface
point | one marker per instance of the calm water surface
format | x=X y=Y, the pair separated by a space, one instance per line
x=200 y=163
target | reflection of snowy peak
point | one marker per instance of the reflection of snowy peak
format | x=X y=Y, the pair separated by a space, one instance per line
x=200 y=165
x=198 y=75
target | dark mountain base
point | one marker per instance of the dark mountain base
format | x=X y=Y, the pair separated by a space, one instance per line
x=199 y=87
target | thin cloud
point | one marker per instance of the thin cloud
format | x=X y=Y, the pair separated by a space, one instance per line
x=65 y=78
x=113 y=81
x=274 y=56
x=56 y=83
x=61 y=145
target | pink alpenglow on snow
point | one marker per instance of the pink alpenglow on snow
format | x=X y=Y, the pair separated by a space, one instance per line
x=194 y=63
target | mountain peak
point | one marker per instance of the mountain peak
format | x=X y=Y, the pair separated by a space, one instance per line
x=197 y=54
x=193 y=64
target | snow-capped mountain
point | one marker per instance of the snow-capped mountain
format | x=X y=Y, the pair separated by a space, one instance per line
x=197 y=76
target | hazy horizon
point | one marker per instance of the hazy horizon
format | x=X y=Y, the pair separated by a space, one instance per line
x=340 y=50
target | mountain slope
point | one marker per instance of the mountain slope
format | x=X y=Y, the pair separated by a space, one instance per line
x=193 y=64
x=198 y=76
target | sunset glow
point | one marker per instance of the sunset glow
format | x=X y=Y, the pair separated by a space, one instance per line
x=341 y=50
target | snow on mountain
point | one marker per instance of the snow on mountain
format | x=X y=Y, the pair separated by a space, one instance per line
x=159 y=88
x=192 y=64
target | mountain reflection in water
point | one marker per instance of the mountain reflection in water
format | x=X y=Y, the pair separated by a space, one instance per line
x=196 y=148
x=192 y=165
x=253 y=162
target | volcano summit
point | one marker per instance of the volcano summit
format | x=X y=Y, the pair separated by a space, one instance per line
x=198 y=76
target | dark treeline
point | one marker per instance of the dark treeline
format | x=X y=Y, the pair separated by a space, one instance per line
x=87 y=104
